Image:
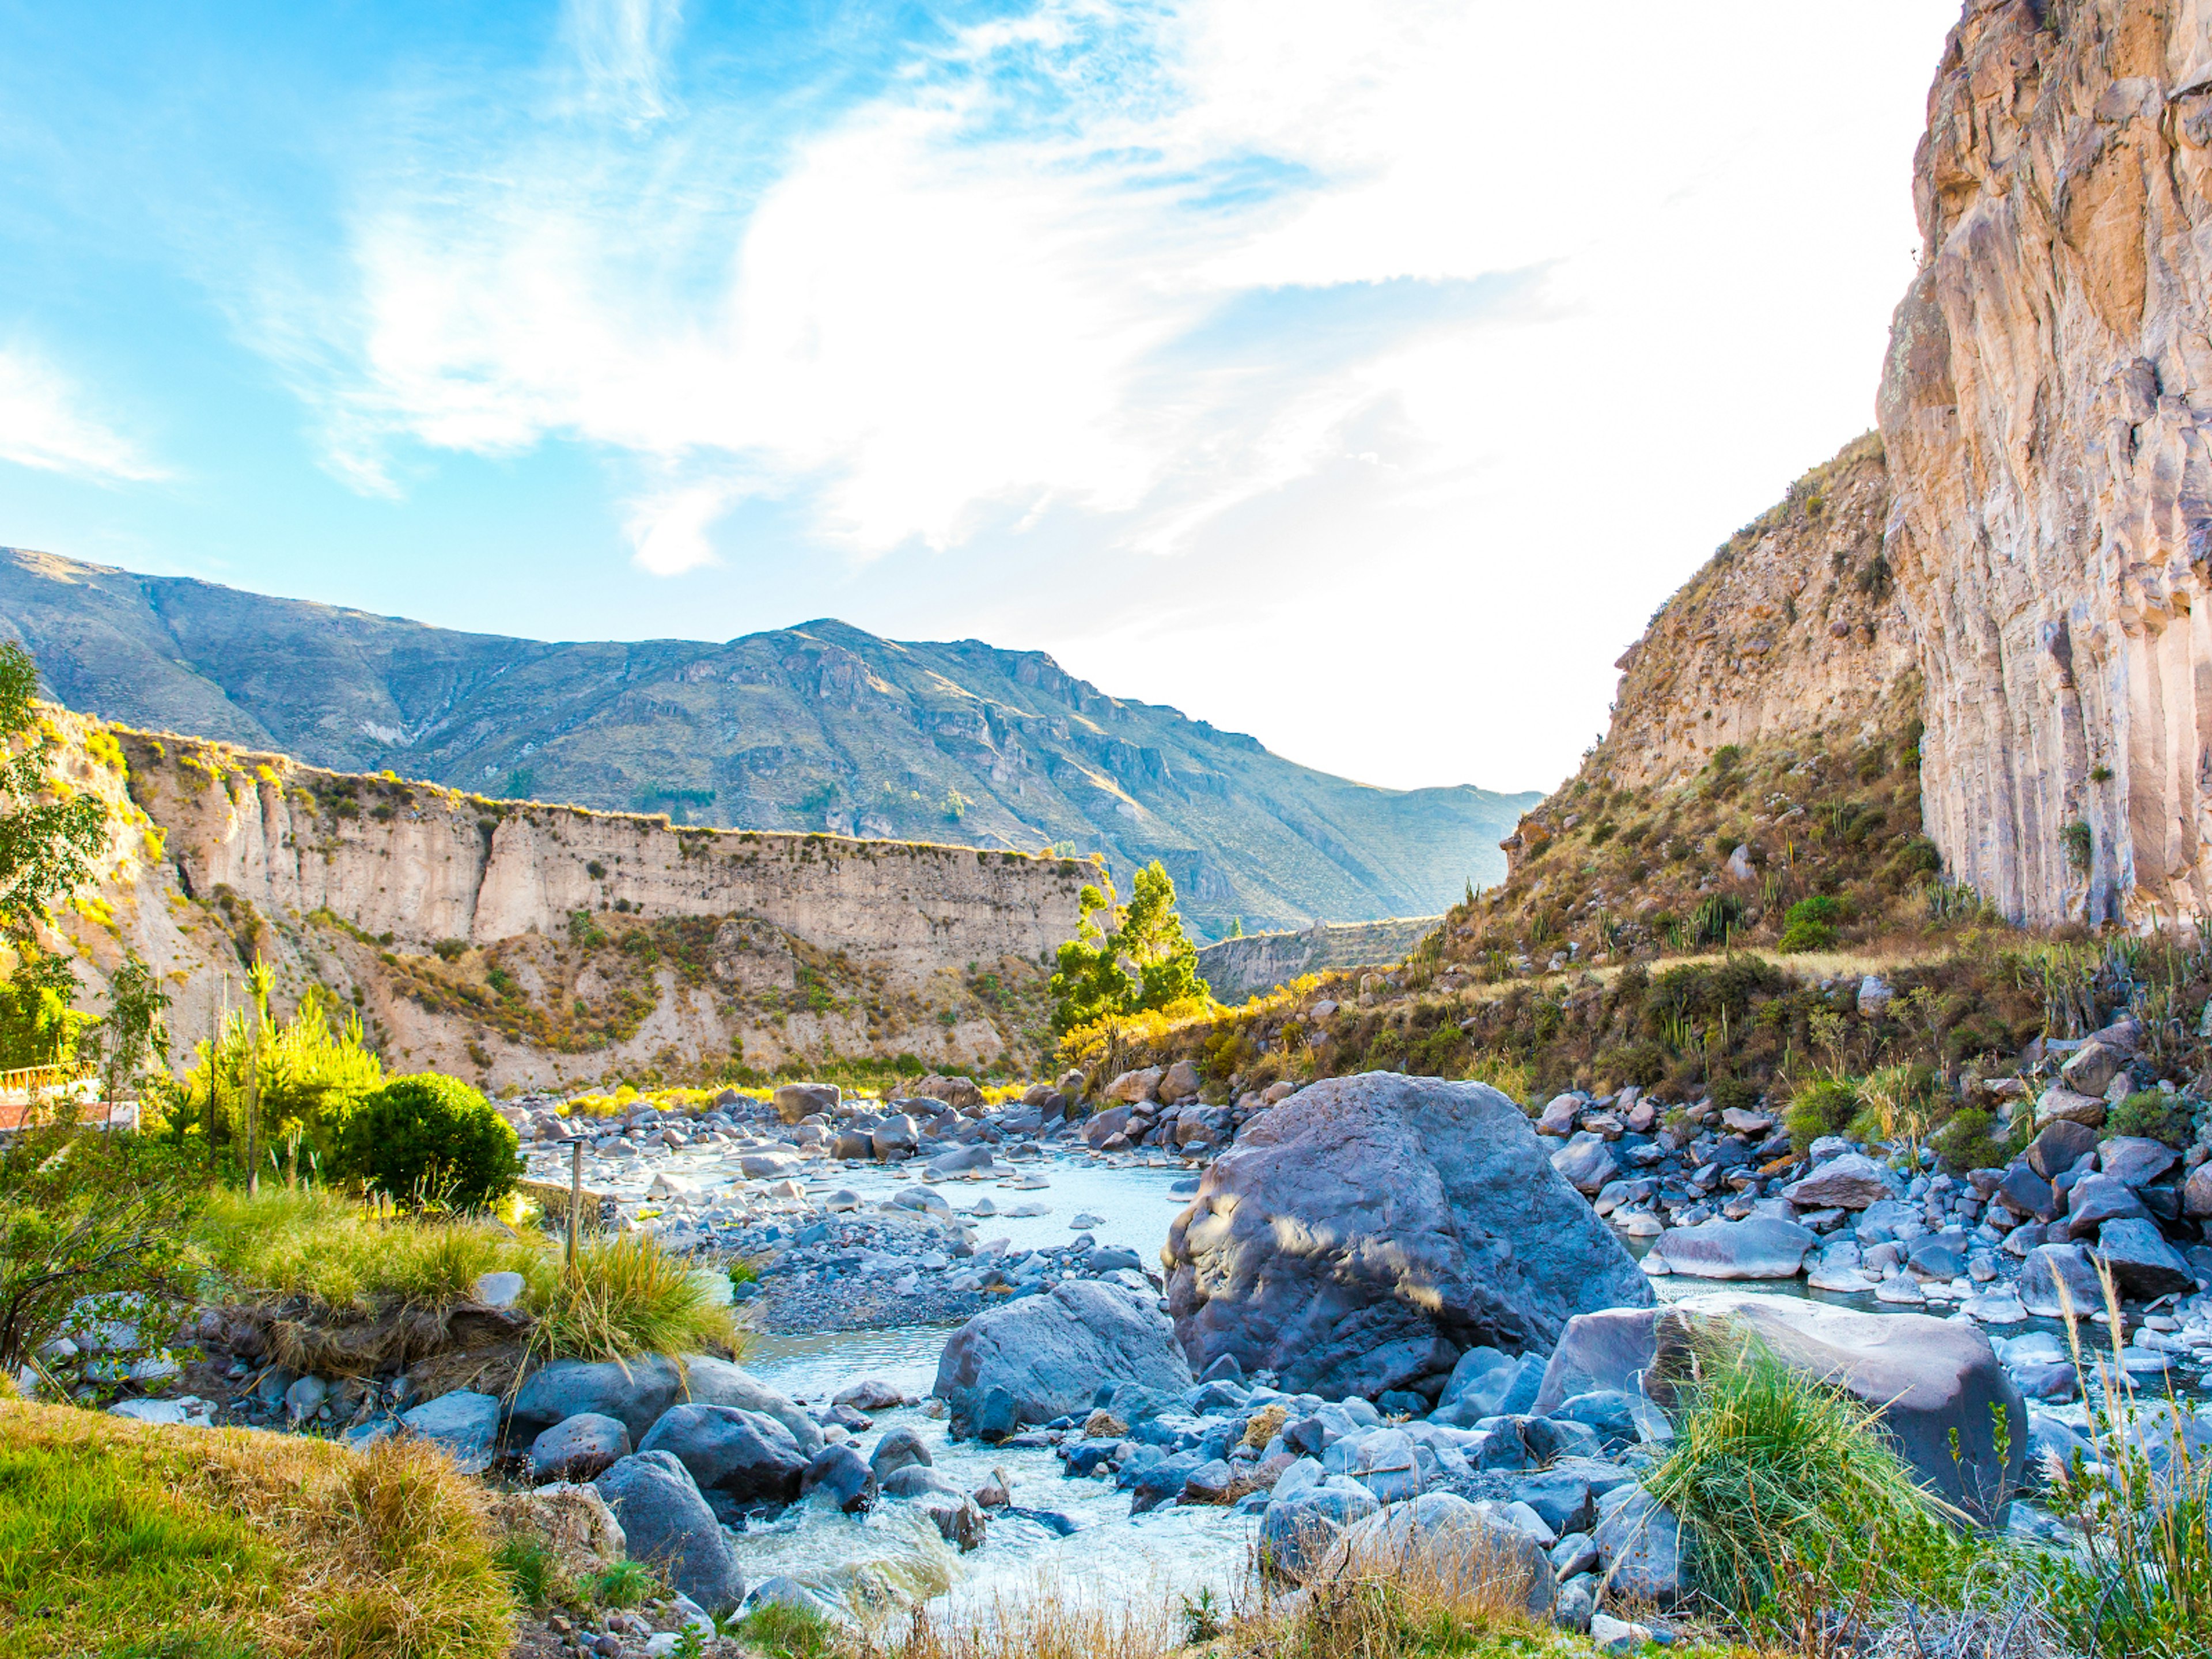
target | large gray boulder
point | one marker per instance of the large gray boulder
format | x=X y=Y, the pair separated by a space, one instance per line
x=1049 y=1353
x=1850 y=1183
x=1610 y=1350
x=797 y=1100
x=1935 y=1382
x=635 y=1394
x=2050 y=1266
x=1442 y=1538
x=1760 y=1248
x=578 y=1448
x=463 y=1424
x=666 y=1523
x=1366 y=1232
x=1302 y=1527
x=1639 y=1543
x=711 y=1382
x=2142 y=1262
x=750 y=1457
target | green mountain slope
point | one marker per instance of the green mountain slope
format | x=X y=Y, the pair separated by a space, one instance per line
x=821 y=727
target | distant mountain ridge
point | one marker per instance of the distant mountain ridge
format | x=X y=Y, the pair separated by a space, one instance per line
x=823 y=726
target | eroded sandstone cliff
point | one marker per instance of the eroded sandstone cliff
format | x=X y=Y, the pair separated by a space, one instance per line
x=517 y=942
x=2043 y=407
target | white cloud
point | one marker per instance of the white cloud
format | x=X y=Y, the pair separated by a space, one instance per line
x=1461 y=327
x=45 y=424
x=668 y=530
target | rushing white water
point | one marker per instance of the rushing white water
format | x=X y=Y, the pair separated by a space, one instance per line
x=893 y=1556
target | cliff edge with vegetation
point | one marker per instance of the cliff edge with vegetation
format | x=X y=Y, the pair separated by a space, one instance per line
x=509 y=942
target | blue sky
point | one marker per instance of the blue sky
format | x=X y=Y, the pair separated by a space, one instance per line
x=1358 y=375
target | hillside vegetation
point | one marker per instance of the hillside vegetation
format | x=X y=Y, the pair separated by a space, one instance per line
x=823 y=726
x=1695 y=910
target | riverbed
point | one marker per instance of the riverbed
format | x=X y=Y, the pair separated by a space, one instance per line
x=893 y=1558
x=1109 y=1558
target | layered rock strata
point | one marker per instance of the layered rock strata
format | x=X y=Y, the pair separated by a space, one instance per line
x=518 y=943
x=2043 y=406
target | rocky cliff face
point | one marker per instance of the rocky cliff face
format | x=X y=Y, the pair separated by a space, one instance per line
x=1239 y=968
x=520 y=942
x=1791 y=630
x=2043 y=406
x=1790 y=640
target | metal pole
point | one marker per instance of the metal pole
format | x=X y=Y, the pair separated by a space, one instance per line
x=215 y=1053
x=253 y=1098
x=575 y=1196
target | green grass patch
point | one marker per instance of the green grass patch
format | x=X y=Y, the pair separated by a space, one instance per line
x=627 y=1296
x=339 y=1251
x=788 y=1632
x=128 y=1541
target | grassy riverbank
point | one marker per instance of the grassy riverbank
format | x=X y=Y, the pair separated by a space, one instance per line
x=129 y=1541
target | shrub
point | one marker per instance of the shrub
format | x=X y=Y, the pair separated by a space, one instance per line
x=1733 y=1093
x=430 y=1139
x=67 y=1253
x=1821 y=1106
x=1811 y=923
x=1965 y=1142
x=2155 y=1115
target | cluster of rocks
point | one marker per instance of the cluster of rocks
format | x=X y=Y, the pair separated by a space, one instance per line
x=827 y=1259
x=1533 y=1457
x=1160 y=1107
x=1722 y=1194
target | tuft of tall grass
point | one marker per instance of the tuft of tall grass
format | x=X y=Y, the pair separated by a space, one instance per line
x=623 y=1296
x=2141 y=1582
x=1786 y=1486
x=335 y=1250
x=1045 y=1624
x=626 y=1296
x=782 y=1631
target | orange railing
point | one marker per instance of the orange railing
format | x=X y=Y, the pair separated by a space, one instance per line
x=25 y=1080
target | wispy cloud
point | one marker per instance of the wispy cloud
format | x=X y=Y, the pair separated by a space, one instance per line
x=1149 y=331
x=1012 y=281
x=48 y=421
x=620 y=48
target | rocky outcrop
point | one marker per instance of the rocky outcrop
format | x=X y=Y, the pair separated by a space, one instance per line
x=1239 y=968
x=510 y=942
x=1791 y=630
x=2042 y=406
x=1363 y=1234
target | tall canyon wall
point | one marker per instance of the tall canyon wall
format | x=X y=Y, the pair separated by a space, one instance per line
x=2043 y=409
x=519 y=943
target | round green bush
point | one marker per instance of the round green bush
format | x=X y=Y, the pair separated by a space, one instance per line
x=430 y=1139
x=1810 y=924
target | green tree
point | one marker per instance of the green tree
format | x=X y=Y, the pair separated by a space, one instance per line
x=310 y=1072
x=123 y=1046
x=431 y=1140
x=49 y=835
x=1126 y=958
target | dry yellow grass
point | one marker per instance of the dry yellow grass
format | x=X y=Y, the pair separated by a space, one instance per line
x=121 y=1539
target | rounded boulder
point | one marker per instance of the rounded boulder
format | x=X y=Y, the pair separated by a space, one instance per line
x=1363 y=1234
